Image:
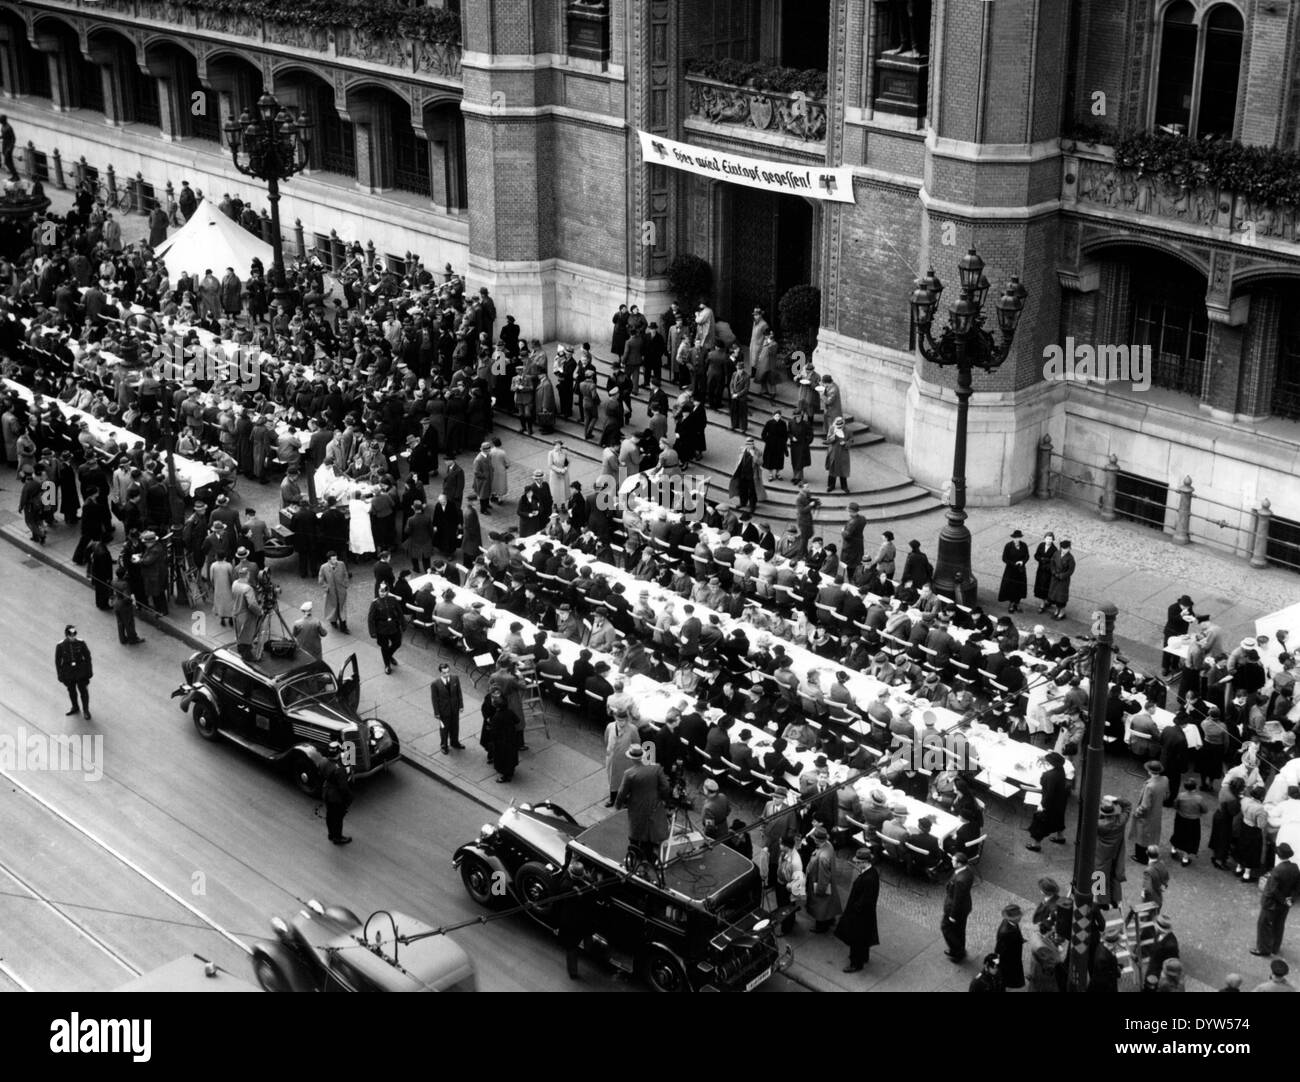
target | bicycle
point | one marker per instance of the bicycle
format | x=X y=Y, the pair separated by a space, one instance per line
x=121 y=198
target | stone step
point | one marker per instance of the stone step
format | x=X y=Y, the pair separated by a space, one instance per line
x=760 y=410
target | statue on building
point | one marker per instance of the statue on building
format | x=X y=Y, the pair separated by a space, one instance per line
x=908 y=29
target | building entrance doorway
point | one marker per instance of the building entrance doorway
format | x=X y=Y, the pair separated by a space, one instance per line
x=765 y=246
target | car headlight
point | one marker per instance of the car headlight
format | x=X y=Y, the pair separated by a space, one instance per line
x=487 y=830
x=377 y=732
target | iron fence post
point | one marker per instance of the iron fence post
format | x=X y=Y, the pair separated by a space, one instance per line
x=1110 y=483
x=1183 y=520
x=1043 y=481
x=1263 y=518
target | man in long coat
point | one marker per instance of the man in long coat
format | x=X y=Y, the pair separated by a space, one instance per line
x=956 y=908
x=247 y=611
x=453 y=482
x=419 y=537
x=1108 y=866
x=824 y=903
x=535 y=505
x=852 y=540
x=1148 y=815
x=857 y=926
x=1062 y=572
x=775 y=436
x=231 y=295
x=643 y=791
x=334 y=578
x=483 y=478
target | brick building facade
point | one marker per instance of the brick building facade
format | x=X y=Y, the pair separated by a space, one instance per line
x=510 y=147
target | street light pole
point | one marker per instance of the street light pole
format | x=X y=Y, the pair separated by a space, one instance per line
x=1083 y=936
x=963 y=344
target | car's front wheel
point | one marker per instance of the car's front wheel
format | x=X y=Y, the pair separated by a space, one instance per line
x=664 y=971
x=535 y=886
x=306 y=776
x=270 y=976
x=483 y=883
x=205 y=720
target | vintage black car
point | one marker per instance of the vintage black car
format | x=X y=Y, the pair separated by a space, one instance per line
x=330 y=949
x=286 y=710
x=703 y=928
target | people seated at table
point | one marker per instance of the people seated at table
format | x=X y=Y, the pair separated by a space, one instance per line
x=931 y=853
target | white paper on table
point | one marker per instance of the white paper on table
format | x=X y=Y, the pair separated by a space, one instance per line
x=1002 y=788
x=1033 y=799
x=483 y=661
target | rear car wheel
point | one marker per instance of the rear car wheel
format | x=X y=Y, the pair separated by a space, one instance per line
x=664 y=971
x=305 y=776
x=270 y=976
x=534 y=885
x=205 y=720
x=480 y=880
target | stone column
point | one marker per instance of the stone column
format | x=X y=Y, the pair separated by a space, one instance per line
x=8 y=62
x=365 y=159
x=1222 y=378
x=61 y=96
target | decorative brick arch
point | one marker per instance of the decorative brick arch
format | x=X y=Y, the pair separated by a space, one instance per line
x=134 y=37
x=1199 y=259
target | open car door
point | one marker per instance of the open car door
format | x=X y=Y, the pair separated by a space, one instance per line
x=349 y=679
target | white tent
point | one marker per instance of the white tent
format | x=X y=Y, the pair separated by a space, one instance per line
x=211 y=241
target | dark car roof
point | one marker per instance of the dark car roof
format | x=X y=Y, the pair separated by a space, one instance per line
x=701 y=877
x=270 y=668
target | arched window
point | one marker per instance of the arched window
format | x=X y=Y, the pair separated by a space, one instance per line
x=1199 y=68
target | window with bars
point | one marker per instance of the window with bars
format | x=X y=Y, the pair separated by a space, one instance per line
x=40 y=164
x=1170 y=318
x=1141 y=500
x=1283 y=546
x=411 y=162
x=148 y=196
x=1286 y=385
x=395 y=263
x=139 y=94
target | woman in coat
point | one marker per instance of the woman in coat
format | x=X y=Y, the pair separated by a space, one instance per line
x=500 y=729
x=916 y=568
x=222 y=576
x=837 y=456
x=824 y=903
x=775 y=437
x=1043 y=556
x=1248 y=835
x=1221 y=824
x=801 y=436
x=558 y=473
x=1050 y=817
x=1010 y=947
x=500 y=470
x=1148 y=815
x=1015 y=557
x=1062 y=572
x=472 y=539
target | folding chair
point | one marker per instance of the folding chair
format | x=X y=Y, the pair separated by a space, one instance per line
x=931 y=869
x=975 y=853
x=484 y=666
x=568 y=693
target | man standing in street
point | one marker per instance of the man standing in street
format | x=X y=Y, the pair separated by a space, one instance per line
x=857 y=927
x=308 y=632
x=336 y=791
x=1277 y=982
x=74 y=669
x=577 y=912
x=957 y=907
x=124 y=610
x=1279 y=894
x=643 y=792
x=247 y=612
x=448 y=702
x=334 y=578
x=851 y=541
x=535 y=506
x=385 y=624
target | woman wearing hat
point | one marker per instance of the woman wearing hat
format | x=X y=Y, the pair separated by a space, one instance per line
x=1015 y=557
x=1049 y=819
x=1043 y=556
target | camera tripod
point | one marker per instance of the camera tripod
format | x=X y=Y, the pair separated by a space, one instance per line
x=647 y=860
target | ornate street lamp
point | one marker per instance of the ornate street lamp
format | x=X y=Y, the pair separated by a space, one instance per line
x=966 y=344
x=270 y=146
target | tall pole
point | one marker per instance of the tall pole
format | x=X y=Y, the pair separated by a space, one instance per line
x=1082 y=941
x=953 y=576
x=278 y=288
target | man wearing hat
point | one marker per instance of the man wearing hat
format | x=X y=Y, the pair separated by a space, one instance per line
x=1148 y=815
x=577 y=913
x=851 y=540
x=824 y=903
x=308 y=632
x=1277 y=982
x=857 y=927
x=643 y=792
x=74 y=668
x=1010 y=947
x=152 y=564
x=1104 y=972
x=1165 y=946
x=535 y=505
x=1108 y=868
x=336 y=791
x=717 y=810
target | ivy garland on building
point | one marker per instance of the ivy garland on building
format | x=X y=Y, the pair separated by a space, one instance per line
x=768 y=77
x=379 y=18
x=1263 y=174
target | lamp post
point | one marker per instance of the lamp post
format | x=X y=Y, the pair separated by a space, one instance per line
x=1083 y=933
x=966 y=344
x=271 y=146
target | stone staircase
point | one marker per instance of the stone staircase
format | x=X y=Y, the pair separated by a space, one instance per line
x=878 y=482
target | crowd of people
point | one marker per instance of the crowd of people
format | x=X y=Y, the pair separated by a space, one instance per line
x=391 y=384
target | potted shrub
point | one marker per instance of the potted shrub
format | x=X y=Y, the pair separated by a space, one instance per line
x=800 y=313
x=690 y=279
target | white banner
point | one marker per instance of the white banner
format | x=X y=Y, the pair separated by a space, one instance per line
x=812 y=181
